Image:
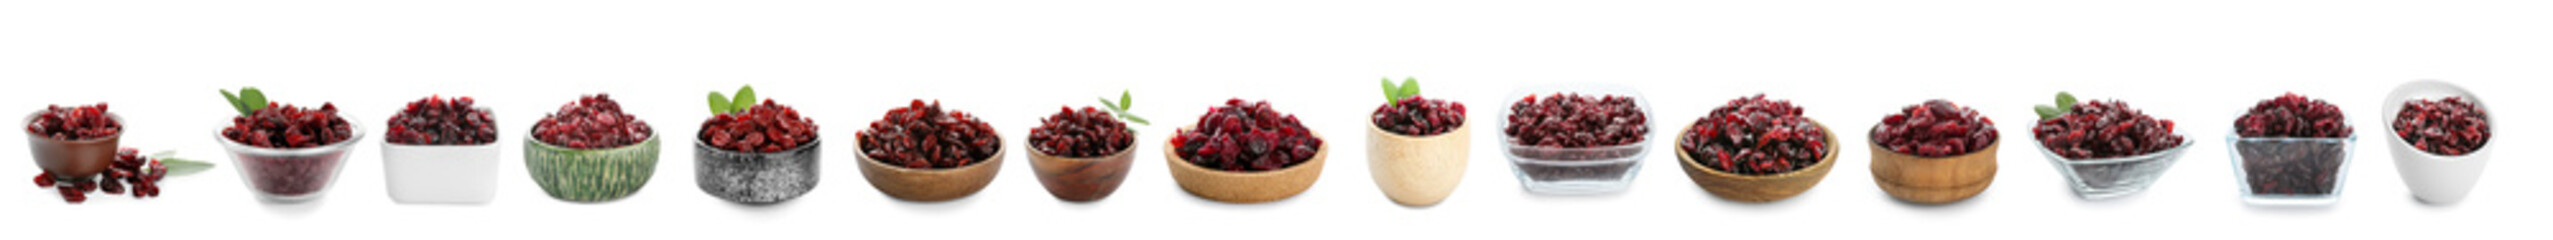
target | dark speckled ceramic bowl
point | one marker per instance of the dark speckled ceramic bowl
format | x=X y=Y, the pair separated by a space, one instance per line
x=757 y=178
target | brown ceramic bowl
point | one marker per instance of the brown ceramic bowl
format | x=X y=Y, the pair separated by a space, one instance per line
x=1245 y=187
x=1082 y=179
x=75 y=157
x=1933 y=180
x=929 y=185
x=1417 y=170
x=1757 y=188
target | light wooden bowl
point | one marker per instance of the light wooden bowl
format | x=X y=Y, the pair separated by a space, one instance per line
x=1417 y=171
x=1245 y=187
x=1931 y=180
x=1756 y=188
x=930 y=185
x=1082 y=179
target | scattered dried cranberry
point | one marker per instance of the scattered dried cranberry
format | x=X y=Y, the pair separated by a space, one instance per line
x=1246 y=137
x=440 y=121
x=2293 y=116
x=1084 y=133
x=75 y=123
x=767 y=127
x=1755 y=136
x=1936 y=128
x=923 y=136
x=1419 y=116
x=130 y=168
x=286 y=126
x=2451 y=126
x=2099 y=129
x=591 y=122
x=1569 y=120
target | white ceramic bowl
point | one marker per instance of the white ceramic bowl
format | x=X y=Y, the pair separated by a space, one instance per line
x=440 y=174
x=2433 y=178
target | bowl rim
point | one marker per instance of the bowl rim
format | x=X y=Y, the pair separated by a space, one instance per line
x=119 y=129
x=237 y=147
x=1828 y=160
x=698 y=145
x=1033 y=152
x=863 y=156
x=1370 y=126
x=536 y=143
x=2156 y=155
x=1172 y=153
x=1873 y=135
x=2393 y=107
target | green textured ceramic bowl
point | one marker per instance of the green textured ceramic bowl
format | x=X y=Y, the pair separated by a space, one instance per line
x=590 y=175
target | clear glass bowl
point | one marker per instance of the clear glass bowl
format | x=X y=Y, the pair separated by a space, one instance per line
x=2267 y=169
x=291 y=175
x=1588 y=170
x=2096 y=179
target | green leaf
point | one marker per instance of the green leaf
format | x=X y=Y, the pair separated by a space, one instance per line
x=1112 y=105
x=2047 y=112
x=183 y=167
x=253 y=98
x=1126 y=100
x=2065 y=100
x=1135 y=119
x=1391 y=93
x=745 y=99
x=234 y=102
x=718 y=104
x=1409 y=88
x=164 y=154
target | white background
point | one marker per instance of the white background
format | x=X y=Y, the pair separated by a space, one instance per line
x=846 y=62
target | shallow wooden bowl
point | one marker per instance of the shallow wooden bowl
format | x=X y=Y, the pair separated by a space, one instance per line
x=1757 y=188
x=930 y=185
x=1245 y=187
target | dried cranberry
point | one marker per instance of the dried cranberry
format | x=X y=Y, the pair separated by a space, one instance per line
x=591 y=122
x=2451 y=126
x=766 y=127
x=1569 y=120
x=1084 y=133
x=75 y=123
x=1936 y=128
x=1755 y=136
x=2293 y=116
x=44 y=179
x=1246 y=137
x=1419 y=116
x=286 y=126
x=125 y=175
x=2105 y=129
x=440 y=121
x=923 y=136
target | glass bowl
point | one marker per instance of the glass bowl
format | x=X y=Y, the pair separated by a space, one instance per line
x=2273 y=171
x=1586 y=170
x=291 y=175
x=2096 y=179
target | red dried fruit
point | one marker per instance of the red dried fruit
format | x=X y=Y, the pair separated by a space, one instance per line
x=44 y=179
x=1936 y=128
x=75 y=123
x=1419 y=116
x=1084 y=133
x=766 y=127
x=1569 y=120
x=286 y=126
x=591 y=122
x=1755 y=136
x=1246 y=137
x=131 y=173
x=2293 y=116
x=439 y=121
x=2450 y=126
x=923 y=136
x=2099 y=129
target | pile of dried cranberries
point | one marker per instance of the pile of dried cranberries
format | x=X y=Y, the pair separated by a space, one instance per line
x=1246 y=137
x=2105 y=129
x=2293 y=116
x=1418 y=116
x=75 y=123
x=592 y=122
x=1936 y=128
x=129 y=168
x=1084 y=133
x=1755 y=136
x=1570 y=120
x=2451 y=126
x=923 y=136
x=766 y=127
x=440 y=121
x=286 y=126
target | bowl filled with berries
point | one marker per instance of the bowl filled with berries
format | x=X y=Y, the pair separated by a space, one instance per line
x=924 y=153
x=287 y=153
x=1756 y=150
x=2440 y=135
x=1246 y=152
x=73 y=143
x=756 y=153
x=2291 y=150
x=1416 y=147
x=441 y=151
x=1575 y=138
x=2106 y=149
x=1083 y=154
x=590 y=151
x=1936 y=152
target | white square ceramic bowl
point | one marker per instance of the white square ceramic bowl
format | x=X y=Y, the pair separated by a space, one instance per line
x=459 y=174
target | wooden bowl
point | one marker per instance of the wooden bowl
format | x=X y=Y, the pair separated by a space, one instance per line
x=1757 y=188
x=1245 y=187
x=1417 y=170
x=1933 y=180
x=1082 y=179
x=930 y=185
x=67 y=159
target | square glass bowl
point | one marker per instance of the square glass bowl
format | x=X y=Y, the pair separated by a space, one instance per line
x=2096 y=179
x=1586 y=170
x=2290 y=171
